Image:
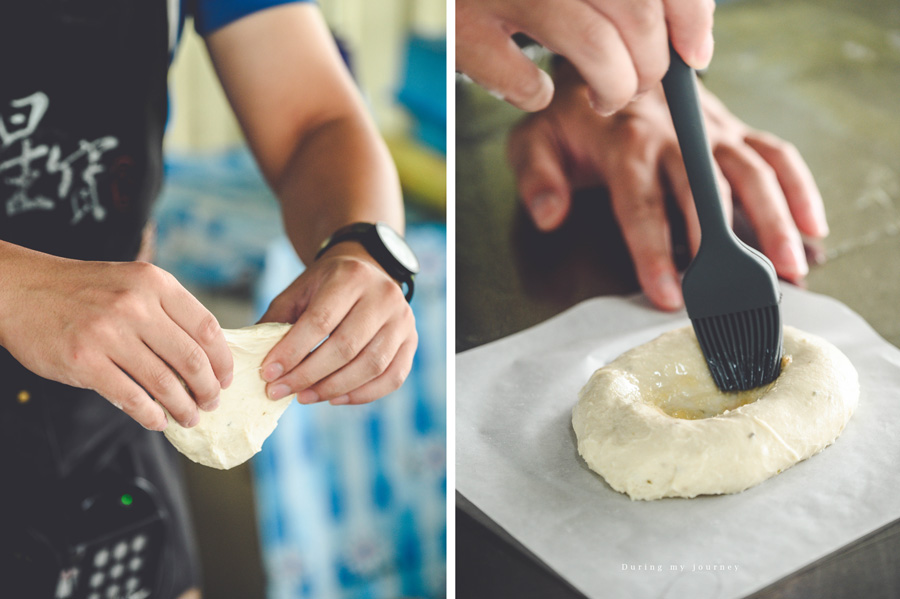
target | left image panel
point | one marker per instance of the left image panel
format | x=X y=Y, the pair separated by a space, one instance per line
x=223 y=299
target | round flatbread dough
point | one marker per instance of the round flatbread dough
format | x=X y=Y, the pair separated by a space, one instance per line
x=654 y=424
x=233 y=432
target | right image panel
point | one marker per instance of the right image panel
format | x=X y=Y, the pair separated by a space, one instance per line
x=677 y=272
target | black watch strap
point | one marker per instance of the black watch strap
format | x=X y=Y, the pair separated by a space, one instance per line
x=368 y=236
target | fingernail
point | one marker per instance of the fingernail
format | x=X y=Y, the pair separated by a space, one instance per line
x=544 y=207
x=340 y=400
x=703 y=56
x=307 y=396
x=279 y=391
x=193 y=421
x=210 y=406
x=272 y=371
x=158 y=427
x=815 y=252
x=669 y=292
x=226 y=382
x=596 y=104
x=793 y=259
x=545 y=93
x=822 y=223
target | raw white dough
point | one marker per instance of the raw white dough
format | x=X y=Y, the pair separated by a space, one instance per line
x=625 y=435
x=233 y=432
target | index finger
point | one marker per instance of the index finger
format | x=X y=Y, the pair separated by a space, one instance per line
x=198 y=322
x=495 y=62
x=325 y=312
x=690 y=30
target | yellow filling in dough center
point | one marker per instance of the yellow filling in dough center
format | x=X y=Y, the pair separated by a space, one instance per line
x=691 y=394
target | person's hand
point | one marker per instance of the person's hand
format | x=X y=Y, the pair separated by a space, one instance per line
x=636 y=156
x=370 y=329
x=121 y=329
x=620 y=47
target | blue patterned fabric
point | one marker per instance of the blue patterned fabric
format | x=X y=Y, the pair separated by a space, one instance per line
x=351 y=499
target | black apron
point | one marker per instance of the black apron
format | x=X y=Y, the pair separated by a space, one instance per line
x=83 y=106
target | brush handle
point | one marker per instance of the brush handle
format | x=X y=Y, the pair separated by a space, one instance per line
x=680 y=86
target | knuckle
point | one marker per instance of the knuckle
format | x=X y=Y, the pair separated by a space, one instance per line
x=765 y=173
x=144 y=273
x=361 y=398
x=327 y=389
x=637 y=208
x=786 y=148
x=779 y=236
x=347 y=347
x=592 y=33
x=635 y=132
x=377 y=362
x=751 y=163
x=656 y=265
x=407 y=315
x=321 y=321
x=298 y=380
x=194 y=359
x=209 y=330
x=130 y=403
x=127 y=303
x=162 y=381
x=353 y=268
x=707 y=16
x=392 y=292
x=396 y=378
x=301 y=382
x=645 y=15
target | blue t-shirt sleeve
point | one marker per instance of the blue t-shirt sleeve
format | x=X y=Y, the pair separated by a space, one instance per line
x=210 y=15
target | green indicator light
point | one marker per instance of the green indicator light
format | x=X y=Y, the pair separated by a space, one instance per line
x=126 y=499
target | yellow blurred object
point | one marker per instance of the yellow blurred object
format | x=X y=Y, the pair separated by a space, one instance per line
x=202 y=120
x=423 y=172
x=24 y=396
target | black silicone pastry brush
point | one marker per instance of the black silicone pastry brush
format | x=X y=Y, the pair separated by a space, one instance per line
x=730 y=290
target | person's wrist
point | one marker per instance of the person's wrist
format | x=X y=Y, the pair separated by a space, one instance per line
x=382 y=244
x=350 y=248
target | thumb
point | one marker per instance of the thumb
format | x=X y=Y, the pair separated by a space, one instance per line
x=288 y=305
x=540 y=176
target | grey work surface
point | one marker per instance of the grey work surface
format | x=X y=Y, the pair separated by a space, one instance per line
x=824 y=75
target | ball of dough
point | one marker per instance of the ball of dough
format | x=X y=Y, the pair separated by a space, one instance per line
x=233 y=432
x=654 y=424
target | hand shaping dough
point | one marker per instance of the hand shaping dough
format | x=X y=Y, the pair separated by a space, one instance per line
x=233 y=432
x=654 y=424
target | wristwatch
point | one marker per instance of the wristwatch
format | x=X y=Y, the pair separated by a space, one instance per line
x=385 y=245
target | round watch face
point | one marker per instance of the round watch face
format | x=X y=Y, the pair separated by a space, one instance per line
x=398 y=247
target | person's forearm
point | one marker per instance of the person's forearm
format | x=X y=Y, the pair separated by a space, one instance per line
x=306 y=123
x=14 y=261
x=340 y=173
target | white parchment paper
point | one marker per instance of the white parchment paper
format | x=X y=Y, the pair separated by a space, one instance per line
x=517 y=461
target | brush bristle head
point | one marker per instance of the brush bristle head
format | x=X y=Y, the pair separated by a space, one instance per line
x=743 y=350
